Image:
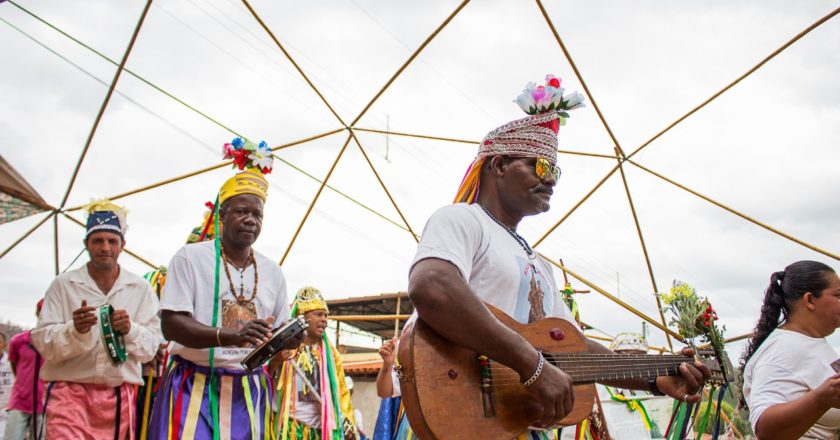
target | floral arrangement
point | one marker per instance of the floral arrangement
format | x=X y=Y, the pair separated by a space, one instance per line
x=540 y=99
x=246 y=154
x=693 y=316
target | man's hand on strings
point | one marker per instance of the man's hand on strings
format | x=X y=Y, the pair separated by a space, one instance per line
x=686 y=386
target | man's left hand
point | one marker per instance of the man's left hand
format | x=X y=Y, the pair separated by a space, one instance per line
x=691 y=379
x=120 y=321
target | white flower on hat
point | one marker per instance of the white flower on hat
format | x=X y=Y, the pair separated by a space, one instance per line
x=573 y=101
x=262 y=157
x=526 y=103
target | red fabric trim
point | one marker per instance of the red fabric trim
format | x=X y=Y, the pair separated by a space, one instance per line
x=176 y=414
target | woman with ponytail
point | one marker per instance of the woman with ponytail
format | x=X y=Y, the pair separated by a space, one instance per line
x=790 y=386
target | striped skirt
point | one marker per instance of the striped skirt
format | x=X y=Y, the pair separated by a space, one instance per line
x=182 y=407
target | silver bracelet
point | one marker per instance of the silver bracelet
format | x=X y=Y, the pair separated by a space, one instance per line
x=540 y=362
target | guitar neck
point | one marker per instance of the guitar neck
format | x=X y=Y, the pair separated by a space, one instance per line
x=590 y=367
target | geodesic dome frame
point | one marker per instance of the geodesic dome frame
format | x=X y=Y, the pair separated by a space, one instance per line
x=350 y=130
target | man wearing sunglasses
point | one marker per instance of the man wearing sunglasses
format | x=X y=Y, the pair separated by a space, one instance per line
x=470 y=253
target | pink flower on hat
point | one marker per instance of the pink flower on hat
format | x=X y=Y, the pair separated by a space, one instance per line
x=549 y=97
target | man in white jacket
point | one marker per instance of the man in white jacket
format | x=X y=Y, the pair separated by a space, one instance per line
x=98 y=325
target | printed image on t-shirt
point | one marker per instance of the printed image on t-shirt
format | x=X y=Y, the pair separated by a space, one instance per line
x=534 y=296
x=235 y=315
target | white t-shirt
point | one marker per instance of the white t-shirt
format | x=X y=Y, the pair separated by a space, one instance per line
x=7 y=380
x=491 y=260
x=190 y=286
x=787 y=365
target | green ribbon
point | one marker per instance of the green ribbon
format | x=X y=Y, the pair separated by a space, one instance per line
x=113 y=340
x=704 y=420
x=212 y=392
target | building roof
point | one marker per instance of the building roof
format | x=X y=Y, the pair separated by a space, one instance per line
x=374 y=306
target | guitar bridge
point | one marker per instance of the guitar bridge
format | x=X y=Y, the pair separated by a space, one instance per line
x=486 y=377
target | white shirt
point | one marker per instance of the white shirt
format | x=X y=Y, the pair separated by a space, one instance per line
x=75 y=357
x=786 y=366
x=190 y=280
x=491 y=260
x=7 y=380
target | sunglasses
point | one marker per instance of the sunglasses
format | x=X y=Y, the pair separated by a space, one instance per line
x=543 y=167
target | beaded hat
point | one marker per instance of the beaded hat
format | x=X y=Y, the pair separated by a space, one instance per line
x=307 y=300
x=250 y=181
x=102 y=215
x=531 y=136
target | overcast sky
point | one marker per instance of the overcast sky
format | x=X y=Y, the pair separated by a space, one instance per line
x=767 y=147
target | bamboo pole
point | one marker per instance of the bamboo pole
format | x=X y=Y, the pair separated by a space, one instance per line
x=419 y=136
x=27 y=233
x=761 y=63
x=369 y=317
x=739 y=337
x=728 y=340
x=410 y=59
x=577 y=205
x=292 y=60
x=646 y=255
x=315 y=199
x=396 y=320
x=739 y=214
x=55 y=243
x=579 y=77
x=463 y=141
x=384 y=187
x=621 y=303
x=105 y=102
x=127 y=70
x=126 y=250
x=205 y=170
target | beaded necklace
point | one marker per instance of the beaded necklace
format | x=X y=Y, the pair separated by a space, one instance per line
x=531 y=254
x=240 y=297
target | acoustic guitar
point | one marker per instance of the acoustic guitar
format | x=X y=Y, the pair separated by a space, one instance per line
x=450 y=392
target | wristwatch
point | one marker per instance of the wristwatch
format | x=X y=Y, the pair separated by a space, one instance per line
x=653 y=388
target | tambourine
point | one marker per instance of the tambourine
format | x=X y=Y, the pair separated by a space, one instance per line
x=112 y=340
x=279 y=340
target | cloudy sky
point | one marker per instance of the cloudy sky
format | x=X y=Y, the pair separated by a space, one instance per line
x=766 y=148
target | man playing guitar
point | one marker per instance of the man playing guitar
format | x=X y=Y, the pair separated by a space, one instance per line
x=470 y=254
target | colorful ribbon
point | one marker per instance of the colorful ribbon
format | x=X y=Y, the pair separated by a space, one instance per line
x=214 y=399
x=632 y=405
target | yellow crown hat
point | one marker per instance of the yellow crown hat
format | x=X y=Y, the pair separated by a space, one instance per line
x=250 y=181
x=307 y=300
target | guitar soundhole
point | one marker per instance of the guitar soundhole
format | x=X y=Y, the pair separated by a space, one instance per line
x=453 y=374
x=557 y=334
